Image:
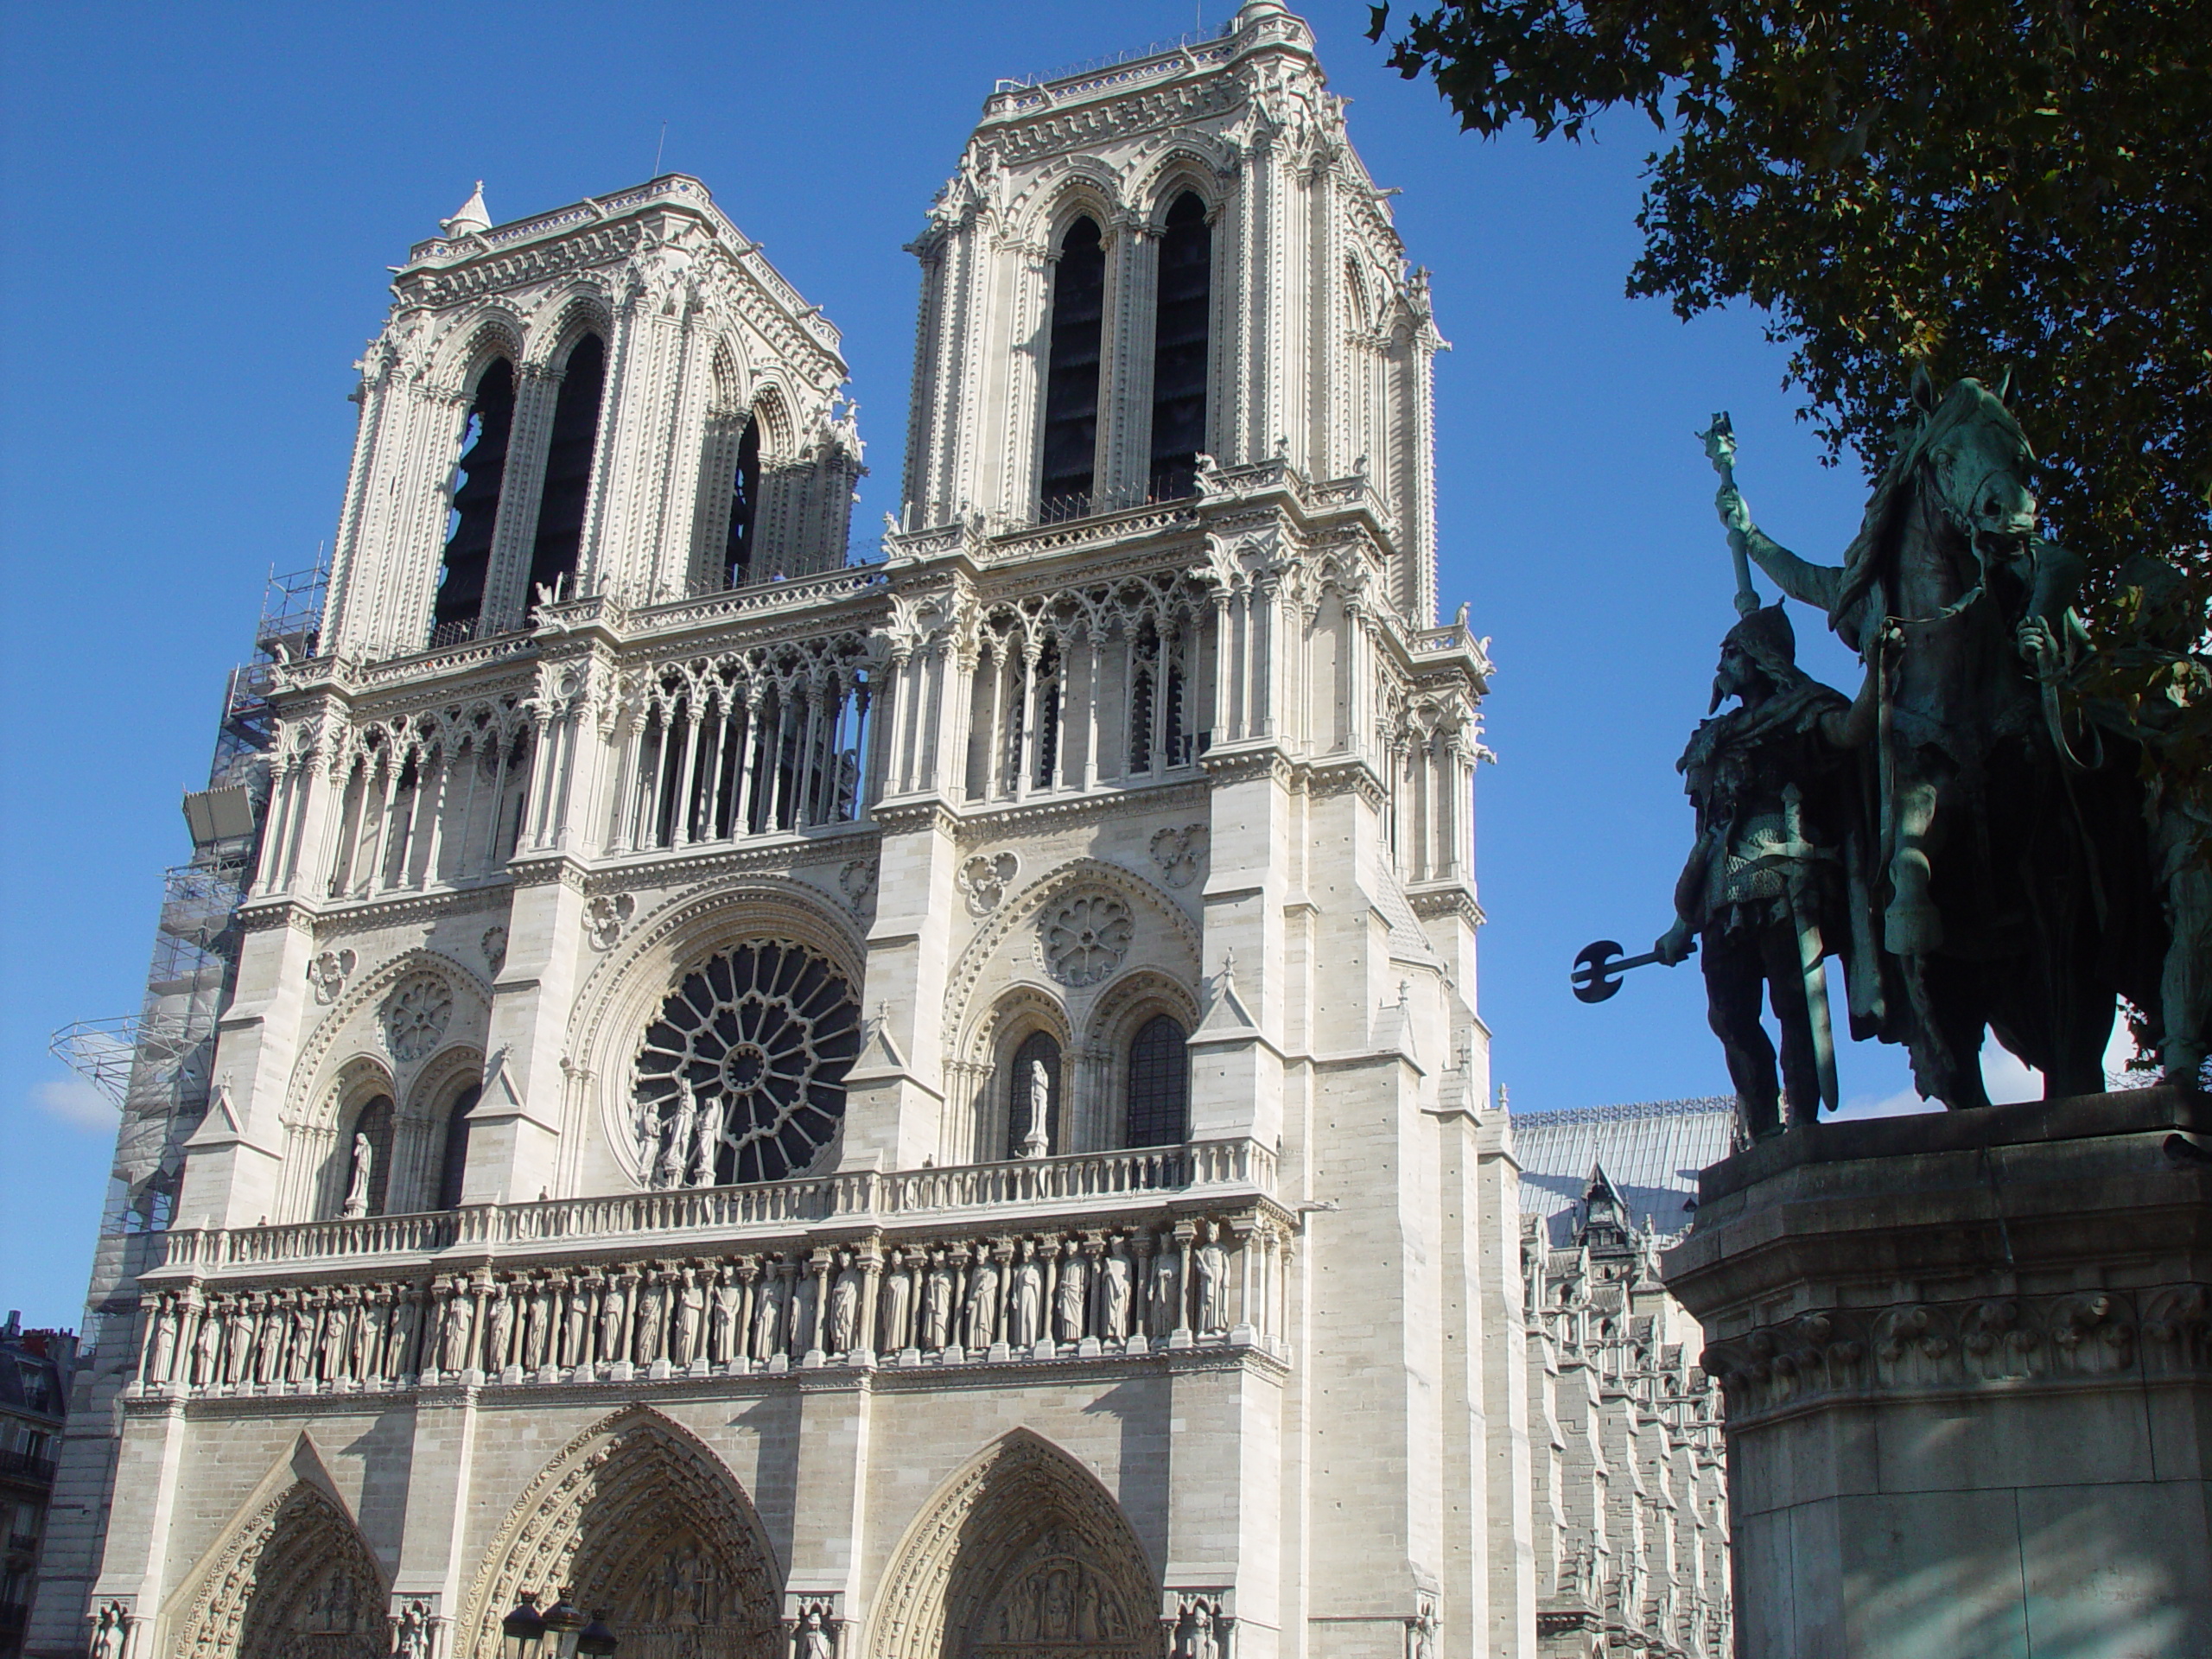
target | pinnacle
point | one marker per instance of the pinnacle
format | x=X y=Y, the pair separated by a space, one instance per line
x=472 y=215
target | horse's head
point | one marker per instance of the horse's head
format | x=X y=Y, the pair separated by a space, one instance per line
x=1978 y=462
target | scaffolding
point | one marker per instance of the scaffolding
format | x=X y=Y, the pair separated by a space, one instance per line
x=157 y=1064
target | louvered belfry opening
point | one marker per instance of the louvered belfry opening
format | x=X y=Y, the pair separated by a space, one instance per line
x=744 y=507
x=1071 y=376
x=1180 y=348
x=480 y=471
x=568 y=467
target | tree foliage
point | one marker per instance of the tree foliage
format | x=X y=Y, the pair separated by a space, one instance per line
x=1973 y=185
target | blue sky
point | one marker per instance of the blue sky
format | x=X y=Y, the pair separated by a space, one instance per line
x=199 y=204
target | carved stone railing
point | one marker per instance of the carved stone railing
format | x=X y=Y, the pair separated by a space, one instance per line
x=860 y=1196
x=1123 y=1289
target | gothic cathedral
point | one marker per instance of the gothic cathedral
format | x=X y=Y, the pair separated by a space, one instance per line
x=769 y=1104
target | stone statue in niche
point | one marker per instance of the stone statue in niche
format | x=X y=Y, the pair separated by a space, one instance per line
x=1025 y=1315
x=815 y=1641
x=844 y=1305
x=898 y=1302
x=410 y=1632
x=611 y=1321
x=690 y=1313
x=936 y=1302
x=108 y=1631
x=765 y=1317
x=1036 y=1143
x=983 y=1302
x=1161 y=1314
x=1113 y=1292
x=501 y=1330
x=357 y=1188
x=1210 y=1268
x=203 y=1347
x=1068 y=1298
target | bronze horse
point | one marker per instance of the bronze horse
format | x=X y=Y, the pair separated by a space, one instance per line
x=2013 y=896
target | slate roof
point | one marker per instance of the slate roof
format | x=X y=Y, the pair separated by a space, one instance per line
x=1652 y=1152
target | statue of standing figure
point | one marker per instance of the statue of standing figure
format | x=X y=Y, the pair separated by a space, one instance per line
x=1768 y=890
x=1036 y=1143
x=357 y=1188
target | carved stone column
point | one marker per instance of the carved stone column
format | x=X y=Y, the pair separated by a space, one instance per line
x=1967 y=1359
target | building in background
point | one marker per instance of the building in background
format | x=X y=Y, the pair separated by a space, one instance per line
x=925 y=1106
x=35 y=1369
x=1630 y=1497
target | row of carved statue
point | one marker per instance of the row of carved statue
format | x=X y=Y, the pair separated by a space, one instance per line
x=1096 y=1291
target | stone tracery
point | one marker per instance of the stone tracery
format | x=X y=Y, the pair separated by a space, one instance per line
x=741 y=1077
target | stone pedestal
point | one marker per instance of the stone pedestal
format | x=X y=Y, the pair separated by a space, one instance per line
x=1968 y=1360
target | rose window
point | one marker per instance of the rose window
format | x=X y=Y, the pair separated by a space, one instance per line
x=1085 y=939
x=742 y=1076
x=417 y=1017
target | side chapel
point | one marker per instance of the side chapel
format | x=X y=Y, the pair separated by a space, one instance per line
x=911 y=1108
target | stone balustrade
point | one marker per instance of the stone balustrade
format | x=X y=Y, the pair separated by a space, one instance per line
x=915 y=1298
x=860 y=1196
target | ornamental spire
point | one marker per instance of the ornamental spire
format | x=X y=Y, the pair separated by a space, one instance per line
x=472 y=217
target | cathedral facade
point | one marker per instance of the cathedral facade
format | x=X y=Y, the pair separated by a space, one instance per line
x=926 y=1105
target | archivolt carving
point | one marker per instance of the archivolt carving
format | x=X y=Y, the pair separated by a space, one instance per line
x=296 y=1581
x=1022 y=1555
x=645 y=1525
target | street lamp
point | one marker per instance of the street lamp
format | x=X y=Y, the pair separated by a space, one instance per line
x=524 y=1628
x=596 y=1641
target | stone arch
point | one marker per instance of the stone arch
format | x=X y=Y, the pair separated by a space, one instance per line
x=495 y=330
x=1191 y=162
x=1084 y=186
x=1022 y=1551
x=292 y=1576
x=641 y=1524
x=565 y=318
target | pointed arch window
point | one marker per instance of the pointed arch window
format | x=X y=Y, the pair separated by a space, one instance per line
x=1071 y=440
x=1181 y=331
x=744 y=505
x=1024 y=1108
x=453 y=1163
x=479 y=476
x=1158 y=1105
x=567 y=466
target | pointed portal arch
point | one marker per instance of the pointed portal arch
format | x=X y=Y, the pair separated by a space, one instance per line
x=1021 y=1555
x=643 y=1525
x=296 y=1582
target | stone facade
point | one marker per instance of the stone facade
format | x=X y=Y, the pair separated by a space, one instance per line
x=920 y=1106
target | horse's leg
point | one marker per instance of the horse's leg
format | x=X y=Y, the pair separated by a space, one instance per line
x=1912 y=926
x=2185 y=984
x=1732 y=1006
x=1946 y=1041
